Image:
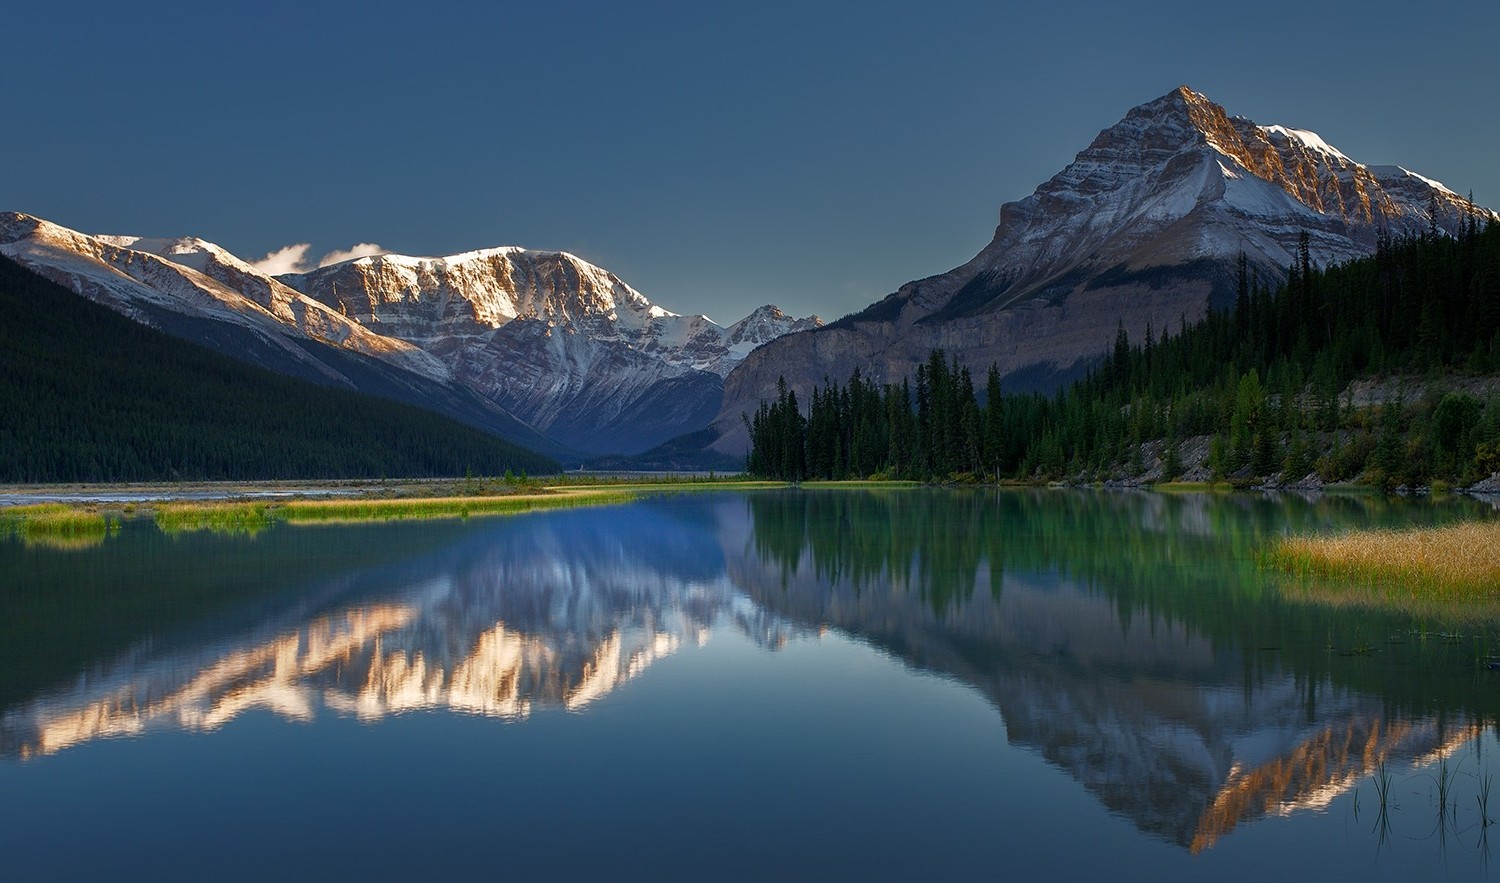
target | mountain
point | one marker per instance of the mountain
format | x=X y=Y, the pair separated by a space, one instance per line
x=564 y=345
x=196 y=291
x=540 y=348
x=89 y=395
x=1142 y=230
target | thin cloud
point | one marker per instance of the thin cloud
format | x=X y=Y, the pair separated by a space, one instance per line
x=291 y=259
x=359 y=250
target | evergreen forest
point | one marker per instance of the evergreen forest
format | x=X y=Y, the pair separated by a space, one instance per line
x=1267 y=381
x=89 y=395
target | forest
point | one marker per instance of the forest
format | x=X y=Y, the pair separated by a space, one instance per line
x=1267 y=380
x=89 y=395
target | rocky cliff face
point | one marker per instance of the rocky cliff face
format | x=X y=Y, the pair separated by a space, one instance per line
x=1143 y=227
x=563 y=344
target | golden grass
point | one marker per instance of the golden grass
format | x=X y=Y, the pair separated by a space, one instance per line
x=860 y=483
x=1460 y=562
x=242 y=517
x=671 y=486
x=1221 y=487
x=326 y=511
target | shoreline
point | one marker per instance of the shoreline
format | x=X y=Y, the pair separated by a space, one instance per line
x=274 y=491
x=279 y=490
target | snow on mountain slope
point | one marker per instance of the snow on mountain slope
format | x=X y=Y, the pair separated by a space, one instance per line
x=563 y=344
x=1142 y=228
x=289 y=307
x=763 y=325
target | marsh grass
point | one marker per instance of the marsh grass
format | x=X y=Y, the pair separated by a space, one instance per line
x=77 y=526
x=1382 y=781
x=223 y=518
x=862 y=484
x=1423 y=570
x=57 y=525
x=333 y=511
x=1221 y=487
x=249 y=518
x=1445 y=790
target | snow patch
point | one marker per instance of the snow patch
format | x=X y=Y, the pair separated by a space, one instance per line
x=1310 y=140
x=1389 y=173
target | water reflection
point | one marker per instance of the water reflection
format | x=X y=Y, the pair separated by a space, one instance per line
x=1130 y=639
x=1127 y=638
x=557 y=611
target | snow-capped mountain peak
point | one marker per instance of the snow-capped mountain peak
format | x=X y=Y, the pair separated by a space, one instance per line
x=564 y=344
x=1178 y=179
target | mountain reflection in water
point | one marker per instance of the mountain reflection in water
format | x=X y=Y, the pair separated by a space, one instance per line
x=1127 y=638
x=556 y=613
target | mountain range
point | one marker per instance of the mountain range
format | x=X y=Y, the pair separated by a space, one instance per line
x=1144 y=230
x=540 y=348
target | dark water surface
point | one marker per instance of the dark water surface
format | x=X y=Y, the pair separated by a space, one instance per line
x=789 y=684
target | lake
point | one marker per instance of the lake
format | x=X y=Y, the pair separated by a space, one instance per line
x=794 y=684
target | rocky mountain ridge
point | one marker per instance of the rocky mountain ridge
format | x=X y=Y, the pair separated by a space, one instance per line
x=563 y=344
x=1142 y=229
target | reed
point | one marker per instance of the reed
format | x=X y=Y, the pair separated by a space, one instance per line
x=1452 y=563
x=1445 y=790
x=1382 y=781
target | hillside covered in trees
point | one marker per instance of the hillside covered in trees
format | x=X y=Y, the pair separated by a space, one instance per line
x=1268 y=381
x=89 y=395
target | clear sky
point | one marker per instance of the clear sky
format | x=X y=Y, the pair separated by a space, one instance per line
x=716 y=156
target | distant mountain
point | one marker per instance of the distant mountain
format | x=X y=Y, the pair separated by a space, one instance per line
x=1143 y=229
x=89 y=395
x=196 y=291
x=562 y=344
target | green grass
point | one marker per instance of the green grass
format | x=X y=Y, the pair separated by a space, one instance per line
x=56 y=525
x=225 y=518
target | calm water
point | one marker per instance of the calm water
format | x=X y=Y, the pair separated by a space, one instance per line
x=780 y=685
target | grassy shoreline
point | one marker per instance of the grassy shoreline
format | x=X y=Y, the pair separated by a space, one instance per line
x=83 y=523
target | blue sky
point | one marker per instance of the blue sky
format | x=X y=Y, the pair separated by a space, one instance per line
x=715 y=156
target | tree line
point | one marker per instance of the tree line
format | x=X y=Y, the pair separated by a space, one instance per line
x=1267 y=379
